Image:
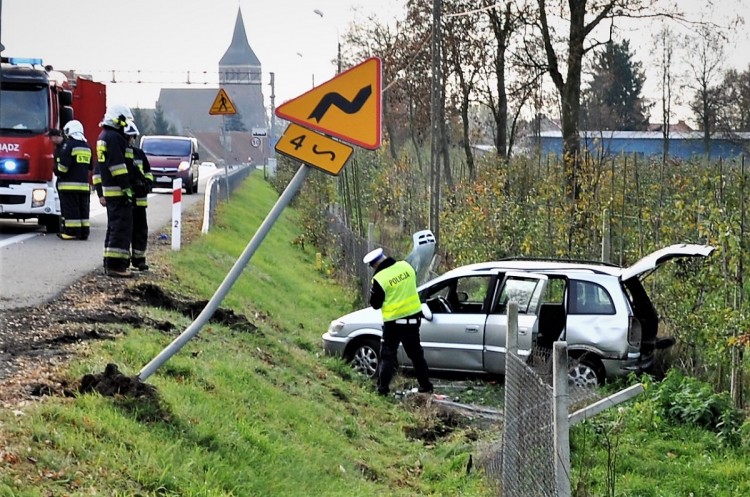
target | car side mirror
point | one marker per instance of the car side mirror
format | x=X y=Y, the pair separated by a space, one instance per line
x=426 y=312
x=462 y=296
x=195 y=156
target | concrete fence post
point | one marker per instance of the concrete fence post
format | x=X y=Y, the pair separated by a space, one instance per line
x=560 y=412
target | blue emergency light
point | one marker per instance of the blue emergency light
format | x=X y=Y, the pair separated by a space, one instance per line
x=25 y=60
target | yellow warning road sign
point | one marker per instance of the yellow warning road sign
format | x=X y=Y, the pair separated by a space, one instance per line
x=222 y=104
x=314 y=149
x=348 y=106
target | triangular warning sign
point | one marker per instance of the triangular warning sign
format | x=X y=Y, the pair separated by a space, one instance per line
x=222 y=104
x=347 y=106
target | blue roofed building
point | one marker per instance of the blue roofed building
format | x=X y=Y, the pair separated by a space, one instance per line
x=682 y=144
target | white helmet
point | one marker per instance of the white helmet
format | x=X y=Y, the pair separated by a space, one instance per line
x=74 y=129
x=131 y=129
x=117 y=116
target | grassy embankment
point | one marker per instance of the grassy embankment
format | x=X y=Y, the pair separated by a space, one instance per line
x=239 y=413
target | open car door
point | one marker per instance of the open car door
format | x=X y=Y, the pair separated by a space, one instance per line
x=655 y=259
x=526 y=289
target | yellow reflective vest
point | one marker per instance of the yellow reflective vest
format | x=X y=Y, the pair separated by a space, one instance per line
x=399 y=282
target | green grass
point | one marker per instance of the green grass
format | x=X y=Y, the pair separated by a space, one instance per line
x=264 y=413
x=239 y=413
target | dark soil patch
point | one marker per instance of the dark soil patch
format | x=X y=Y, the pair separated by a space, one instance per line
x=112 y=382
x=153 y=295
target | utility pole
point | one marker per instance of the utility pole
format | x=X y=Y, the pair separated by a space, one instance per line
x=435 y=122
x=271 y=136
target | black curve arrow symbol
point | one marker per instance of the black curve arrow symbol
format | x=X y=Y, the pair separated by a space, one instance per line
x=333 y=98
x=323 y=152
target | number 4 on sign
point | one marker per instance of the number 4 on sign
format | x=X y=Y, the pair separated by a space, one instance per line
x=314 y=149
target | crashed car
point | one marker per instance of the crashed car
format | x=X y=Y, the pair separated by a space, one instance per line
x=602 y=311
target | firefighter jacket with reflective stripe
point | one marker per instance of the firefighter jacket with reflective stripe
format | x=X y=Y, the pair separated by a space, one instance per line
x=73 y=166
x=111 y=177
x=140 y=174
x=399 y=282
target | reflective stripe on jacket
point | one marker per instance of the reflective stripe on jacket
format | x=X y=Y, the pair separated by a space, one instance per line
x=399 y=282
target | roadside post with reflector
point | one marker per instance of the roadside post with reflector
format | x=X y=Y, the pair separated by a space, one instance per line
x=176 y=212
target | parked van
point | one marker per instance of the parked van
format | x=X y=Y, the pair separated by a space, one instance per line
x=172 y=157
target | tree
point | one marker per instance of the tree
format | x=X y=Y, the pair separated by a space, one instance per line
x=734 y=113
x=161 y=125
x=140 y=116
x=613 y=100
x=705 y=62
x=665 y=40
x=234 y=122
x=582 y=18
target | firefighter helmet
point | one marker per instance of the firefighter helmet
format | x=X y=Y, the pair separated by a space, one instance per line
x=117 y=116
x=74 y=129
x=131 y=129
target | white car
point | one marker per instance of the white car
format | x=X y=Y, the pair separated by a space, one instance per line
x=602 y=311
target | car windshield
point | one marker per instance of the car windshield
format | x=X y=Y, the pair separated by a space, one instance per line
x=24 y=108
x=167 y=148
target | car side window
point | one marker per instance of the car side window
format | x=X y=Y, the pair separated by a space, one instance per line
x=470 y=294
x=463 y=295
x=587 y=297
x=519 y=290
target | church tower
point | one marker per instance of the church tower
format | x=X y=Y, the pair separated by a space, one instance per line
x=240 y=76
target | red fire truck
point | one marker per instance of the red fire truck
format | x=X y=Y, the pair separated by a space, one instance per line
x=33 y=100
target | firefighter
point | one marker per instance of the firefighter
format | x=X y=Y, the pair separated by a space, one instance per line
x=114 y=188
x=72 y=168
x=142 y=182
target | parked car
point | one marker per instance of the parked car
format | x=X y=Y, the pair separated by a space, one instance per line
x=602 y=311
x=173 y=157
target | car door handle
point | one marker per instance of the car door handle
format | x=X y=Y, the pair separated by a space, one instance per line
x=472 y=329
x=523 y=331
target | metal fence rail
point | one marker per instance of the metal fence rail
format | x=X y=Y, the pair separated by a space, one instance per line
x=220 y=187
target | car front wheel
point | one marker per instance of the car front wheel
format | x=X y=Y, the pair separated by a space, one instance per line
x=365 y=356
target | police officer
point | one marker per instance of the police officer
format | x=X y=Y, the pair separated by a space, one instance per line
x=72 y=168
x=143 y=179
x=394 y=291
x=114 y=188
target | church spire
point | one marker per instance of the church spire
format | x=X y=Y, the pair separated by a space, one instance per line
x=239 y=52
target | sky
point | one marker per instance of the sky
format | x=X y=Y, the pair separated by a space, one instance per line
x=171 y=40
x=166 y=39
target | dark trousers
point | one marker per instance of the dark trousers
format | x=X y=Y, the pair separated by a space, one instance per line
x=74 y=209
x=140 y=236
x=407 y=335
x=119 y=233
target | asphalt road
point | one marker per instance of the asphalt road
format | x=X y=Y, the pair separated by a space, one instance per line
x=35 y=266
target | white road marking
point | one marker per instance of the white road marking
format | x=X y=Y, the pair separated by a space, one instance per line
x=17 y=239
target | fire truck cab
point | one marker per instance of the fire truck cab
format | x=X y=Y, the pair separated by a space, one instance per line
x=33 y=100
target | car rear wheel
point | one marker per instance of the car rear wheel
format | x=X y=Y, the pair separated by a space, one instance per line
x=586 y=371
x=365 y=356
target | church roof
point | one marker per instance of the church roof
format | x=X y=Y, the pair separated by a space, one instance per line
x=239 y=52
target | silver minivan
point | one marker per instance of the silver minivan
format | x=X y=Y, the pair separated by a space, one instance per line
x=602 y=311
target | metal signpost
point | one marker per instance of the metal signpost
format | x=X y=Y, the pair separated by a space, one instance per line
x=348 y=107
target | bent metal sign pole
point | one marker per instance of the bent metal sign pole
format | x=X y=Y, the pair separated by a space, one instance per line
x=347 y=107
x=213 y=304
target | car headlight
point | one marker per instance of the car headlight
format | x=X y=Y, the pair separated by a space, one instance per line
x=335 y=327
x=184 y=165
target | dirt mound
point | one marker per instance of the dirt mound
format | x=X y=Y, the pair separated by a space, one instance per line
x=112 y=382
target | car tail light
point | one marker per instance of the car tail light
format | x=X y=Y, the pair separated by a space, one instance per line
x=634 y=332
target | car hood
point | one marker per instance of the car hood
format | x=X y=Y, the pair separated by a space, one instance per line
x=655 y=259
x=170 y=162
x=367 y=316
